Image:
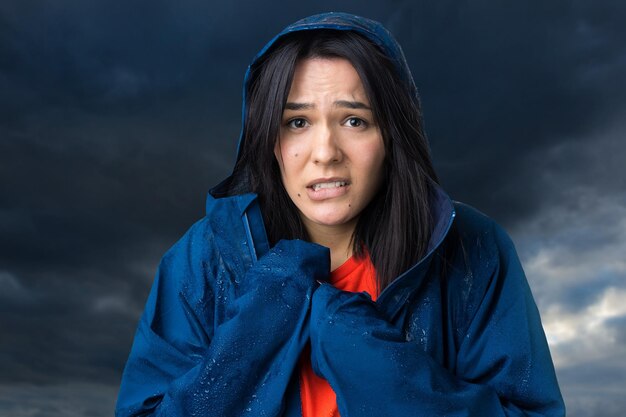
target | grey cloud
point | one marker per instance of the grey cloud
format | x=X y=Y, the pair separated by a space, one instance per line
x=12 y=291
x=75 y=333
x=61 y=400
x=617 y=325
x=595 y=389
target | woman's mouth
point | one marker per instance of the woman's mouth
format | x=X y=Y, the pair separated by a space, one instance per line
x=332 y=184
x=325 y=189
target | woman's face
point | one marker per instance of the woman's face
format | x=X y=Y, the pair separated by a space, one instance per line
x=330 y=150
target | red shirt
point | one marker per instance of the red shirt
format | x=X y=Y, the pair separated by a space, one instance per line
x=317 y=396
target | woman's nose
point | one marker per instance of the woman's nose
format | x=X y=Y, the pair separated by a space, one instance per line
x=326 y=149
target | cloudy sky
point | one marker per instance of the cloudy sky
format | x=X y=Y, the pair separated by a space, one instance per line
x=117 y=117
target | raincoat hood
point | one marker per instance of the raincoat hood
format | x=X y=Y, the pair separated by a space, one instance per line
x=371 y=29
x=442 y=207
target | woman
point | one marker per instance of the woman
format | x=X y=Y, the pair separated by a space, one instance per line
x=331 y=274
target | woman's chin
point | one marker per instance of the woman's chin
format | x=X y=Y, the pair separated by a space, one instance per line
x=332 y=220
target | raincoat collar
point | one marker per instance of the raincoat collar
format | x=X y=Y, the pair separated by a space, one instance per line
x=392 y=298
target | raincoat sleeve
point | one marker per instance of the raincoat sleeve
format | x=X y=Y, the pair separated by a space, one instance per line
x=182 y=363
x=502 y=365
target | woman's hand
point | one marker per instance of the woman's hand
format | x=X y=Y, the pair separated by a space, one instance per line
x=254 y=351
x=277 y=288
x=375 y=371
x=342 y=323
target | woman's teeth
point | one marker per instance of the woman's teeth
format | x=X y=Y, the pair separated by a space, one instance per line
x=333 y=184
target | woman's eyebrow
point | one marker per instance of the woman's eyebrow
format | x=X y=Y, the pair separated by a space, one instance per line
x=351 y=104
x=338 y=103
x=299 y=106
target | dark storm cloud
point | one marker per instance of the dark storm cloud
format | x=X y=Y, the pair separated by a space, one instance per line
x=501 y=83
x=574 y=247
x=91 y=52
x=115 y=120
x=68 y=323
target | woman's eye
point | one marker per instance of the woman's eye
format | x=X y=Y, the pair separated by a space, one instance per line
x=298 y=123
x=356 y=122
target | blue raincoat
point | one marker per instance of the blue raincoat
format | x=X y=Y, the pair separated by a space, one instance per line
x=457 y=334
